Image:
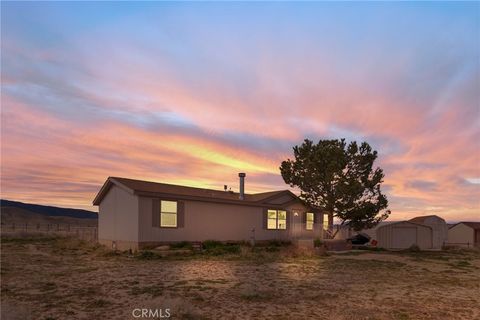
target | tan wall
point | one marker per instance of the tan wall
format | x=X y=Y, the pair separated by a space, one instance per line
x=211 y=221
x=461 y=235
x=118 y=217
x=384 y=235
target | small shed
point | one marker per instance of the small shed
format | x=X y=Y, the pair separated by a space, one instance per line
x=464 y=234
x=439 y=229
x=404 y=234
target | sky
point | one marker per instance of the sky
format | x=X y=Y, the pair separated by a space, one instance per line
x=193 y=93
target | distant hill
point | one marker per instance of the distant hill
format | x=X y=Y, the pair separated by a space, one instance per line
x=47 y=210
x=19 y=216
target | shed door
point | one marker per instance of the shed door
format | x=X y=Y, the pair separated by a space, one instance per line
x=403 y=238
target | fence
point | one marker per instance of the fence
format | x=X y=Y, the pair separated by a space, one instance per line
x=459 y=244
x=87 y=233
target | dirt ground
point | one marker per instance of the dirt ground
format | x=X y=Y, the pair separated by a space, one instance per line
x=68 y=279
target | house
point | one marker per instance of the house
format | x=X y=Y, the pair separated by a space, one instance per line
x=135 y=214
x=426 y=232
x=464 y=234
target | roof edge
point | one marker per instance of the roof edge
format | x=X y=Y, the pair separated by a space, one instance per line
x=405 y=221
x=106 y=187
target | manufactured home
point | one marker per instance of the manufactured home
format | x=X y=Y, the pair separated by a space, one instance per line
x=134 y=214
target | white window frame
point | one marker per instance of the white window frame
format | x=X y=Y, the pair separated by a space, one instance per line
x=164 y=212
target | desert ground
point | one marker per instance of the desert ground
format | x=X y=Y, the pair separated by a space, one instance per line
x=60 y=278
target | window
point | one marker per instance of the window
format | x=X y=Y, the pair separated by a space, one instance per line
x=168 y=214
x=282 y=219
x=272 y=219
x=309 y=221
x=325 y=221
x=276 y=219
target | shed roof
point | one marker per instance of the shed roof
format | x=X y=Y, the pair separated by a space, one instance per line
x=473 y=225
x=150 y=188
x=404 y=222
x=421 y=219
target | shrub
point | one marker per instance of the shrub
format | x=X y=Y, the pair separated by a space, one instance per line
x=278 y=243
x=210 y=244
x=111 y=253
x=233 y=248
x=414 y=248
x=272 y=249
x=317 y=242
x=461 y=264
x=181 y=245
x=224 y=249
x=148 y=255
x=217 y=248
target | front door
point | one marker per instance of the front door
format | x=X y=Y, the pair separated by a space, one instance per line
x=296 y=223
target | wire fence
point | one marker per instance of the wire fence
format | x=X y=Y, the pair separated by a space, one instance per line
x=87 y=233
x=459 y=244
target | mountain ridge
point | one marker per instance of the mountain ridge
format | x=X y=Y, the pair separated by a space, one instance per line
x=51 y=211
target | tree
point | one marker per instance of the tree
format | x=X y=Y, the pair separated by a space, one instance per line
x=340 y=179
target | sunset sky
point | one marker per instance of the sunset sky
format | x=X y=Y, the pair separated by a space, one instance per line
x=193 y=93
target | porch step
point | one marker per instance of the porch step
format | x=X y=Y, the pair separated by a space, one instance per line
x=197 y=246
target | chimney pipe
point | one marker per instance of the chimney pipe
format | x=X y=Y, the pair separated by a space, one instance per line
x=242 y=185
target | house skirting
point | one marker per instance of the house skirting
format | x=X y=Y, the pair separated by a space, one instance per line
x=120 y=244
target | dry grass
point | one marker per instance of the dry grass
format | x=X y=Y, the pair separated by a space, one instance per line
x=66 y=279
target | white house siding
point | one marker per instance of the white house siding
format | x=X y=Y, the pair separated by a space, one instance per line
x=461 y=235
x=118 y=219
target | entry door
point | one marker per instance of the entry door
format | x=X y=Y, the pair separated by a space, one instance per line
x=403 y=238
x=296 y=223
